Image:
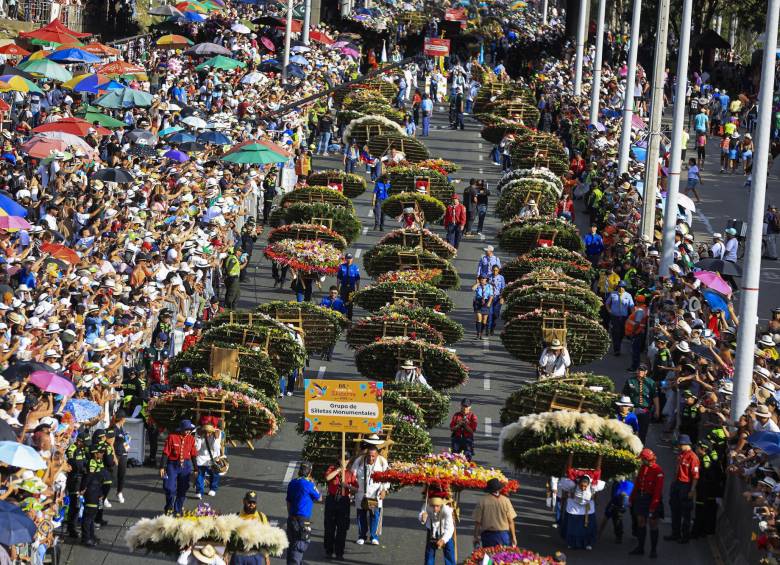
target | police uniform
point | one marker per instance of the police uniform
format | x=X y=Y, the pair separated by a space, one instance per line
x=232 y=281
x=77 y=455
x=690 y=416
x=642 y=393
x=707 y=491
x=92 y=487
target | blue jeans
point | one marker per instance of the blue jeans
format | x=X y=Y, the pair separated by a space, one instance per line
x=426 y=126
x=379 y=216
x=203 y=471
x=469 y=106
x=364 y=527
x=464 y=445
x=491 y=539
x=453 y=235
x=176 y=484
x=448 y=550
x=324 y=142
x=350 y=165
x=495 y=314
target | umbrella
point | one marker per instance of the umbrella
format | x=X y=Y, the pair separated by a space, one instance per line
x=214 y=137
x=119 y=68
x=685 y=202
x=17 y=83
x=176 y=155
x=73 y=55
x=271 y=64
x=340 y=44
x=181 y=137
x=299 y=60
x=221 y=62
x=83 y=410
x=61 y=155
x=15 y=526
x=320 y=36
x=713 y=281
x=41 y=147
x=300 y=49
x=727 y=268
x=75 y=126
x=22 y=369
x=195 y=122
x=172 y=41
x=89 y=82
x=9 y=70
x=63 y=252
x=192 y=147
x=124 y=98
x=92 y=115
x=13 y=50
x=640 y=153
x=252 y=78
x=12 y=223
x=240 y=28
x=193 y=17
x=142 y=151
x=170 y=130
x=208 y=49
x=349 y=52
x=295 y=71
x=70 y=139
x=114 y=175
x=254 y=152
x=51 y=382
x=137 y=134
x=10 y=207
x=19 y=455
x=100 y=49
x=268 y=44
x=56 y=26
x=768 y=442
x=7 y=433
x=48 y=69
x=166 y=10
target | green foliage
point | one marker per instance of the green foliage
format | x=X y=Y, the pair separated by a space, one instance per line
x=376 y=296
x=354 y=185
x=433 y=208
x=521 y=236
x=451 y=330
x=535 y=397
x=345 y=222
x=402 y=179
x=200 y=379
x=434 y=405
x=321 y=326
x=384 y=258
x=309 y=194
x=372 y=328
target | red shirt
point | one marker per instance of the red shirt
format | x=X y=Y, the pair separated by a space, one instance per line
x=179 y=447
x=687 y=466
x=471 y=423
x=455 y=214
x=650 y=480
x=333 y=485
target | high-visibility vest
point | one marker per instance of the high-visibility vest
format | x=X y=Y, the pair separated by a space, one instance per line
x=634 y=327
x=233 y=266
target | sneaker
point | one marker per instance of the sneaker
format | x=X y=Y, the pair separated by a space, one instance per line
x=120 y=497
x=588 y=547
x=374 y=541
x=361 y=541
x=107 y=503
x=212 y=493
x=289 y=394
x=199 y=496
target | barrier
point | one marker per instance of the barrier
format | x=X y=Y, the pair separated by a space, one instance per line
x=44 y=11
x=736 y=526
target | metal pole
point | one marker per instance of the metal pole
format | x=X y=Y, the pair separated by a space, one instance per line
x=595 y=94
x=544 y=12
x=718 y=24
x=748 y=311
x=733 y=31
x=670 y=212
x=656 y=113
x=581 y=30
x=306 y=21
x=628 y=96
x=287 y=37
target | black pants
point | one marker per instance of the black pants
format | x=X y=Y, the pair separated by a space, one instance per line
x=152 y=434
x=232 y=292
x=88 y=522
x=279 y=272
x=121 y=472
x=344 y=293
x=336 y=524
x=681 y=507
x=706 y=516
x=469 y=220
x=299 y=536
x=643 y=417
x=73 y=512
x=267 y=204
x=617 y=330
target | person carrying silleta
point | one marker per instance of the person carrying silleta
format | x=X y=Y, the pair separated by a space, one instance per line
x=498 y=283
x=462 y=428
x=483 y=302
x=440 y=525
x=250 y=512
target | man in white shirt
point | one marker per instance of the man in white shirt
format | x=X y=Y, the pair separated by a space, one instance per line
x=732 y=245
x=764 y=421
x=717 y=250
x=437 y=519
x=554 y=360
x=370 y=493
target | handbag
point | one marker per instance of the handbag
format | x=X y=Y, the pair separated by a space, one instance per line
x=369 y=503
x=220 y=464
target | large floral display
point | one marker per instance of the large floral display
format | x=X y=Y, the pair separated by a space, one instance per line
x=507 y=555
x=305 y=255
x=375 y=296
x=321 y=326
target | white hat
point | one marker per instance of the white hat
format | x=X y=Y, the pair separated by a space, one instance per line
x=717 y=235
x=373 y=439
x=408 y=364
x=684 y=347
x=4 y=384
x=52 y=353
x=100 y=345
x=624 y=401
x=767 y=341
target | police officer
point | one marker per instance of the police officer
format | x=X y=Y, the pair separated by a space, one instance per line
x=269 y=192
x=107 y=453
x=120 y=445
x=498 y=283
x=248 y=239
x=92 y=490
x=646 y=502
x=233 y=268
x=690 y=416
x=77 y=455
x=301 y=496
x=643 y=393
x=707 y=490
x=348 y=277
x=683 y=491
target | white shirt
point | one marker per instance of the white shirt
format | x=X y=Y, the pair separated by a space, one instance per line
x=731 y=250
x=410 y=376
x=214 y=443
x=440 y=523
x=770 y=426
x=579 y=502
x=367 y=487
x=554 y=365
x=717 y=250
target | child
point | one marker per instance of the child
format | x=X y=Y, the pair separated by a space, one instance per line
x=701 y=147
x=724 y=153
x=694 y=178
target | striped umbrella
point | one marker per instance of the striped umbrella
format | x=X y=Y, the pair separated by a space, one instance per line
x=15 y=83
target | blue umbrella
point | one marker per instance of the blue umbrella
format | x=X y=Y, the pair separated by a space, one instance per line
x=194 y=17
x=15 y=526
x=12 y=207
x=73 y=55
x=768 y=442
x=298 y=60
x=112 y=85
x=716 y=300
x=273 y=63
x=83 y=410
x=181 y=137
x=639 y=152
x=214 y=137
x=295 y=71
x=19 y=455
x=176 y=155
x=170 y=130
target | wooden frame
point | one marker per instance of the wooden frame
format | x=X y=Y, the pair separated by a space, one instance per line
x=406 y=297
x=408 y=261
x=327 y=222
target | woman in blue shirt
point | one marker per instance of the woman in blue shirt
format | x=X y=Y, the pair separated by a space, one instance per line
x=483 y=301
x=625 y=413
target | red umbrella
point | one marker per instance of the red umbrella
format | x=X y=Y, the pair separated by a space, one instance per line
x=58 y=27
x=13 y=50
x=320 y=36
x=59 y=251
x=41 y=147
x=120 y=68
x=4 y=106
x=75 y=126
x=297 y=25
x=268 y=43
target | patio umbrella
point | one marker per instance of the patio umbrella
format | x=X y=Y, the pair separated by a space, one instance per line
x=170 y=130
x=173 y=41
x=713 y=281
x=41 y=147
x=255 y=154
x=16 y=527
x=268 y=44
x=176 y=155
x=10 y=207
x=71 y=140
x=73 y=55
x=19 y=455
x=296 y=71
x=221 y=62
x=137 y=134
x=100 y=49
x=13 y=223
x=16 y=83
x=22 y=369
x=181 y=137
x=51 y=382
x=88 y=82
x=63 y=252
x=208 y=49
x=48 y=69
x=270 y=65
x=13 y=50
x=252 y=78
x=83 y=410
x=92 y=115
x=240 y=28
x=192 y=147
x=166 y=10
x=299 y=60
x=727 y=268
x=193 y=17
x=195 y=122
x=214 y=137
x=113 y=174
x=124 y=98
x=143 y=151
x=75 y=126
x=11 y=70
x=320 y=36
x=120 y=68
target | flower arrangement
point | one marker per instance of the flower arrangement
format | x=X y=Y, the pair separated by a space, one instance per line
x=522 y=235
x=345 y=222
x=366 y=103
x=518 y=109
x=546 y=260
x=362 y=129
x=383 y=258
x=322 y=326
x=449 y=471
x=496 y=127
x=430 y=276
x=441 y=165
x=432 y=208
x=435 y=406
x=514 y=195
x=170 y=535
x=394 y=402
x=536 y=173
x=530 y=297
x=507 y=555
x=402 y=179
x=313 y=193
x=413 y=149
x=536 y=397
x=410 y=237
x=614 y=462
x=540 y=148
x=311 y=256
x=370 y=329
x=440 y=366
x=202 y=379
x=308 y=231
x=586 y=338
x=375 y=296
x=353 y=185
x=245 y=418
x=451 y=331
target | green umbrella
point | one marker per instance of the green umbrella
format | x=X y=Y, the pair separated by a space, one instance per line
x=221 y=62
x=46 y=68
x=254 y=154
x=92 y=115
x=124 y=98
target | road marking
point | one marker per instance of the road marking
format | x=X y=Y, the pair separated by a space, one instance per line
x=488 y=427
x=288 y=474
x=321 y=372
x=357 y=253
x=370 y=213
x=485 y=345
x=365 y=230
x=480 y=145
x=705 y=220
x=481 y=157
x=481 y=171
x=486 y=381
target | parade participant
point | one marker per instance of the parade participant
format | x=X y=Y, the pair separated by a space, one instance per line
x=381 y=192
x=636 y=329
x=498 y=283
x=91 y=489
x=487 y=262
x=205 y=555
x=370 y=494
x=408 y=372
x=337 y=503
x=249 y=512
x=440 y=528
x=483 y=302
x=455 y=221
x=554 y=360
x=78 y=456
x=683 y=491
x=578 y=524
x=625 y=413
x=618 y=503
x=529 y=210
x=463 y=425
x=594 y=245
x=643 y=393
x=348 y=277
x=619 y=304
x=121 y=445
x=708 y=490
x=333 y=302
x=208 y=443
x=233 y=267
x=179 y=459
x=494 y=517
x=646 y=503
x=302 y=493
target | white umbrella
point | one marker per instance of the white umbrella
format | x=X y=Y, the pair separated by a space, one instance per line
x=300 y=49
x=195 y=122
x=70 y=139
x=685 y=202
x=240 y=28
x=253 y=77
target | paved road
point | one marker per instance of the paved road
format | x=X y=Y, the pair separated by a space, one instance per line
x=494 y=375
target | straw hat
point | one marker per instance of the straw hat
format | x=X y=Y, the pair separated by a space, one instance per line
x=408 y=365
x=374 y=439
x=624 y=401
x=556 y=344
x=205 y=554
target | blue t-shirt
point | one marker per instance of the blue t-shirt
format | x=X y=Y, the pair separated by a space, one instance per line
x=700 y=122
x=336 y=304
x=348 y=275
x=302 y=494
x=381 y=189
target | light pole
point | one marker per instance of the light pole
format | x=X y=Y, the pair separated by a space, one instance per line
x=670 y=212
x=582 y=20
x=595 y=94
x=748 y=311
x=628 y=97
x=306 y=21
x=656 y=113
x=287 y=37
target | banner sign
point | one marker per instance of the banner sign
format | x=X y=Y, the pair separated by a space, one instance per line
x=455 y=15
x=435 y=47
x=343 y=406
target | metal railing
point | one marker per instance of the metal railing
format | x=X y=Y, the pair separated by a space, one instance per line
x=44 y=11
x=131 y=48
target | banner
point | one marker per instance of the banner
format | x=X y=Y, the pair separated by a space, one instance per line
x=435 y=47
x=343 y=406
x=455 y=15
